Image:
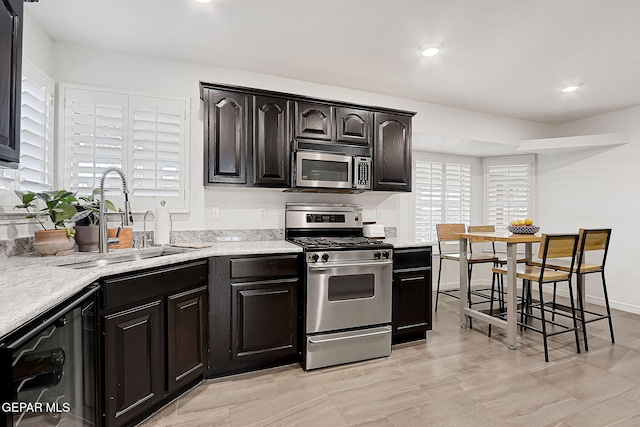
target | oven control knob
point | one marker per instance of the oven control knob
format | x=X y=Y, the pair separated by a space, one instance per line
x=325 y=257
x=377 y=255
x=385 y=254
x=315 y=257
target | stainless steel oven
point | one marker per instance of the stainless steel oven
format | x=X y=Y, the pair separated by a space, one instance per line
x=316 y=169
x=348 y=285
x=348 y=307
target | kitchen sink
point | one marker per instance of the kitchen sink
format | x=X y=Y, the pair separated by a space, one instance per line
x=131 y=256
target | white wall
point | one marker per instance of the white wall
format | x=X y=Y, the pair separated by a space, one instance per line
x=598 y=188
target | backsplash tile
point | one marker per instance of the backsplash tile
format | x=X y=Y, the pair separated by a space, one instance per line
x=194 y=236
x=13 y=247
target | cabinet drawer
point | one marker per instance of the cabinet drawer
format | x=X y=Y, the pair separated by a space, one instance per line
x=264 y=267
x=131 y=288
x=411 y=258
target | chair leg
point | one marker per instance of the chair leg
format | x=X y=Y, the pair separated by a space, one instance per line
x=583 y=322
x=523 y=309
x=606 y=301
x=438 y=286
x=493 y=285
x=469 y=293
x=544 y=323
x=553 y=313
x=575 y=322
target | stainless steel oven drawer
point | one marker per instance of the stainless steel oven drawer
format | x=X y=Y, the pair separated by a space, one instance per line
x=344 y=347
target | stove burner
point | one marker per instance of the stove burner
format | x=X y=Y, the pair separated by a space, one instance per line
x=336 y=242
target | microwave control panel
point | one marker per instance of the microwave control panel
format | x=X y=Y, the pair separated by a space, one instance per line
x=362 y=172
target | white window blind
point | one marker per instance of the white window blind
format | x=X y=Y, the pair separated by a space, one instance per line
x=509 y=190
x=35 y=172
x=156 y=134
x=144 y=136
x=442 y=195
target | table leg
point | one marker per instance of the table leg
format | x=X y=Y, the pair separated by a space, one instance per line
x=512 y=302
x=464 y=276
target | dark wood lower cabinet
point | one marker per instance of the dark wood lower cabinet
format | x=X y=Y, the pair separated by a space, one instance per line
x=253 y=313
x=134 y=360
x=154 y=326
x=411 y=311
x=186 y=336
x=264 y=323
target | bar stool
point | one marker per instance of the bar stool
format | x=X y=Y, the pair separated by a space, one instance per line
x=551 y=246
x=590 y=240
x=450 y=233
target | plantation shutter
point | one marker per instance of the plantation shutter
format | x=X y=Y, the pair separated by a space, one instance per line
x=36 y=135
x=95 y=124
x=457 y=196
x=509 y=191
x=428 y=199
x=157 y=128
x=35 y=172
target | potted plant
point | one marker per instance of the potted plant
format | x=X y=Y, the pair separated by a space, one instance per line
x=58 y=207
x=87 y=221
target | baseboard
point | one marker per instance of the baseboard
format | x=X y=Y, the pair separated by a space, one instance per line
x=597 y=300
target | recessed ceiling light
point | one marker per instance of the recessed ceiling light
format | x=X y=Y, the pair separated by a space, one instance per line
x=203 y=1
x=431 y=49
x=571 y=88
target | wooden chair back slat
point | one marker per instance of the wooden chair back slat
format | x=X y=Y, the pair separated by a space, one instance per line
x=560 y=246
x=594 y=240
x=449 y=232
x=481 y=229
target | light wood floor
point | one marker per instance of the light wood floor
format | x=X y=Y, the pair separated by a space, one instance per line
x=457 y=377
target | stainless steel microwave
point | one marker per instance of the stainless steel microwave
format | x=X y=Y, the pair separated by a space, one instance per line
x=315 y=169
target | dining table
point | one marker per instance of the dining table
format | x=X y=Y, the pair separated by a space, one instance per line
x=512 y=241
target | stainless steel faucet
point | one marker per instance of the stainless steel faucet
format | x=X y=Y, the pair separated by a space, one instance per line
x=145 y=241
x=128 y=218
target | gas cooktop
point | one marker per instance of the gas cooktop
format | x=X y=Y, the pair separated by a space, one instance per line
x=347 y=242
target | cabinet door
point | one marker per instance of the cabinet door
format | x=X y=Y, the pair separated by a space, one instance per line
x=134 y=362
x=10 y=81
x=226 y=137
x=411 y=312
x=353 y=126
x=186 y=336
x=263 y=316
x=271 y=151
x=392 y=153
x=314 y=121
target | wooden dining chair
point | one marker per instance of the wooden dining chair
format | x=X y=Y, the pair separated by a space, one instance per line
x=590 y=241
x=551 y=246
x=451 y=233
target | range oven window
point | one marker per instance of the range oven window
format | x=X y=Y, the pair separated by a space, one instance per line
x=354 y=286
x=323 y=170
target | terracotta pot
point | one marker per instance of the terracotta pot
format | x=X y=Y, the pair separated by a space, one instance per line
x=87 y=237
x=126 y=237
x=53 y=242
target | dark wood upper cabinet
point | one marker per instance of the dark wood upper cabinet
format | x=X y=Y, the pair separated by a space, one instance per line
x=226 y=133
x=353 y=126
x=392 y=153
x=271 y=141
x=314 y=121
x=10 y=81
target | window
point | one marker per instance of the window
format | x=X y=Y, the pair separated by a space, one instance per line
x=509 y=189
x=145 y=136
x=35 y=172
x=442 y=194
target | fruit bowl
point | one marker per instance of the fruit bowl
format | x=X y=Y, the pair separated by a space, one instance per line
x=523 y=229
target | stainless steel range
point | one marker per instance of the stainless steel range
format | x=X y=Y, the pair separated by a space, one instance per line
x=348 y=279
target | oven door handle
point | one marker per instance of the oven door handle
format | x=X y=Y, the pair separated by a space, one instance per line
x=325 y=267
x=370 y=334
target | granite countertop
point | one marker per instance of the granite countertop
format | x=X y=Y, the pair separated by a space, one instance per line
x=31 y=285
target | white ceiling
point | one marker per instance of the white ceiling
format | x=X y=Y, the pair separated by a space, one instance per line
x=505 y=57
